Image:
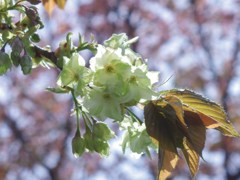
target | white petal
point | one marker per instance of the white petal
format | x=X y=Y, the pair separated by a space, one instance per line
x=153 y=76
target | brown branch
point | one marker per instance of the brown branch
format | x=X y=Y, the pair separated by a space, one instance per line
x=19 y=135
x=13 y=126
x=205 y=45
x=54 y=172
x=225 y=96
x=5 y=26
x=228 y=79
x=40 y=52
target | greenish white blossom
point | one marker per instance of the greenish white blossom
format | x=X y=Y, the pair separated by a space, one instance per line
x=74 y=73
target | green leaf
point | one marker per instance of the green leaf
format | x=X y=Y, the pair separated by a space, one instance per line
x=7 y=35
x=101 y=130
x=5 y=62
x=116 y=41
x=140 y=142
x=135 y=136
x=35 y=38
x=17 y=46
x=31 y=51
x=167 y=163
x=3 y=5
x=78 y=145
x=211 y=114
x=17 y=49
x=26 y=64
x=15 y=58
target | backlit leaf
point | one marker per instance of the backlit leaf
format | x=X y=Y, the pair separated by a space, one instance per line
x=17 y=47
x=15 y=58
x=191 y=157
x=177 y=106
x=162 y=125
x=35 y=38
x=7 y=35
x=60 y=3
x=139 y=142
x=211 y=114
x=48 y=6
x=191 y=126
x=167 y=163
x=179 y=120
x=196 y=131
x=5 y=62
x=135 y=137
x=26 y=64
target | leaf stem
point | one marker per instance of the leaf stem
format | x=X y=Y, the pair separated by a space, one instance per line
x=134 y=115
x=87 y=121
x=77 y=110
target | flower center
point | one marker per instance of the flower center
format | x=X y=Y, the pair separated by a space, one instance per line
x=76 y=77
x=106 y=96
x=109 y=68
x=133 y=79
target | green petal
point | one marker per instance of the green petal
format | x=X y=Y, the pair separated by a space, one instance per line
x=103 y=104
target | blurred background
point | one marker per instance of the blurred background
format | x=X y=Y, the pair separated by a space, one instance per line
x=195 y=43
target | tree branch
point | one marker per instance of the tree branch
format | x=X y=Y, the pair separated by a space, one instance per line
x=218 y=80
x=206 y=47
x=228 y=79
x=54 y=172
x=13 y=126
x=40 y=52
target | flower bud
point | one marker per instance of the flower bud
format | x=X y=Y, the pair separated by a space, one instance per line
x=78 y=145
